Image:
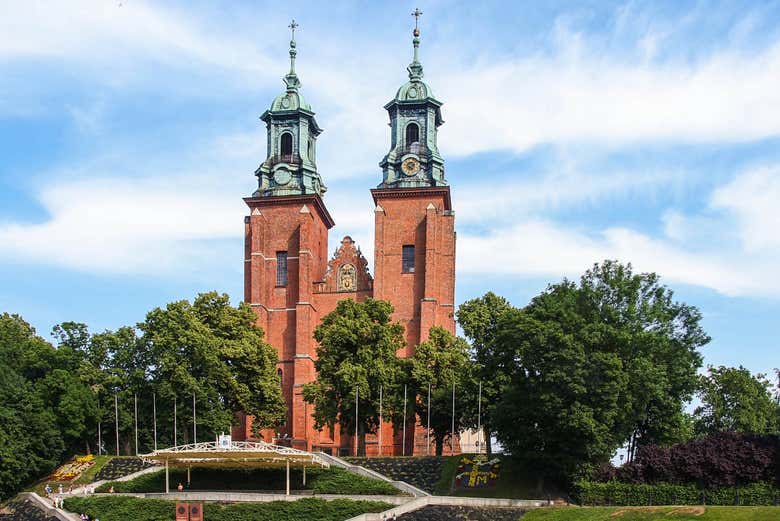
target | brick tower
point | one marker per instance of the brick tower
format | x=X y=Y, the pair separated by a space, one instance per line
x=289 y=280
x=414 y=241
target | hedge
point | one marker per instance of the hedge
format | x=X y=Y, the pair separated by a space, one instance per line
x=320 y=481
x=627 y=494
x=124 y=508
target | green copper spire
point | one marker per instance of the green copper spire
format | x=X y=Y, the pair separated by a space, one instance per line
x=415 y=68
x=290 y=168
x=413 y=160
x=291 y=80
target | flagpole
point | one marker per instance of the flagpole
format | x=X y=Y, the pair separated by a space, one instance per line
x=452 y=431
x=175 y=437
x=380 y=420
x=194 y=421
x=116 y=422
x=479 y=419
x=154 y=413
x=135 y=413
x=403 y=441
x=356 y=420
x=428 y=448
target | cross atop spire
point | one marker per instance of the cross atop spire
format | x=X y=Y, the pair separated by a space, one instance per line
x=416 y=13
x=291 y=80
x=293 y=26
x=415 y=68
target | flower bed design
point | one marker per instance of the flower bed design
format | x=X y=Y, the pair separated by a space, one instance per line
x=73 y=469
x=477 y=473
x=120 y=467
x=452 y=513
x=422 y=472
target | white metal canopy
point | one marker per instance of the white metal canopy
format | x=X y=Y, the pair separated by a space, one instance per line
x=233 y=454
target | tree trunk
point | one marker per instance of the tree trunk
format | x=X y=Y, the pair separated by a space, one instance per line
x=439 y=446
x=86 y=448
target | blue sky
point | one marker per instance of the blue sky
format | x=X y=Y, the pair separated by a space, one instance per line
x=574 y=132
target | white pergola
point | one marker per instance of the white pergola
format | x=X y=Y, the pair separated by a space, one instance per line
x=234 y=454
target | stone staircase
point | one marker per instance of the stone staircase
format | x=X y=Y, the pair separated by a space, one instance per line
x=423 y=472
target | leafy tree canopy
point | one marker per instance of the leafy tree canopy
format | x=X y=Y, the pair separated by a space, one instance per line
x=357 y=354
x=480 y=319
x=441 y=362
x=735 y=400
x=594 y=365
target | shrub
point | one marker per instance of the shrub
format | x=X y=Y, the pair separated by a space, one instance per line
x=320 y=481
x=628 y=494
x=726 y=459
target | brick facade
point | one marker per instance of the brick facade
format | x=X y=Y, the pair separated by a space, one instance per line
x=298 y=225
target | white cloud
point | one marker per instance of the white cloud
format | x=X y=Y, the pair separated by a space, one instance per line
x=148 y=226
x=733 y=247
x=752 y=199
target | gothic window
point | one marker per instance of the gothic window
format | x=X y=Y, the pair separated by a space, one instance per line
x=407 y=259
x=281 y=268
x=279 y=375
x=286 y=144
x=412 y=134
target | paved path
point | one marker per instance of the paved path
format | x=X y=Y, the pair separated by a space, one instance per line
x=259 y=497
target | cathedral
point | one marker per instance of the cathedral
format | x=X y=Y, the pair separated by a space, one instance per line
x=291 y=283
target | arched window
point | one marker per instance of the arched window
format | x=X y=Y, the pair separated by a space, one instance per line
x=412 y=134
x=287 y=145
x=311 y=149
x=279 y=375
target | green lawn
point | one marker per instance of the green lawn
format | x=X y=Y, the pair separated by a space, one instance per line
x=680 y=513
x=124 y=508
x=320 y=481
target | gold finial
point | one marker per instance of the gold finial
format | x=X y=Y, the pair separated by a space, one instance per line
x=416 y=13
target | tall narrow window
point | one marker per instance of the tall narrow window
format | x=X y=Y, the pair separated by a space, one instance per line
x=412 y=134
x=287 y=148
x=281 y=268
x=407 y=261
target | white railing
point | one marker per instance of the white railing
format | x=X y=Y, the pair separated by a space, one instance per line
x=202 y=451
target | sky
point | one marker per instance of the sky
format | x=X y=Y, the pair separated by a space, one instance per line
x=647 y=132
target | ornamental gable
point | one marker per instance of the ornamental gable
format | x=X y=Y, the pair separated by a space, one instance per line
x=347 y=270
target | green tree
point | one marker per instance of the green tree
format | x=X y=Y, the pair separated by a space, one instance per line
x=479 y=319
x=441 y=362
x=216 y=352
x=735 y=400
x=357 y=354
x=30 y=441
x=597 y=364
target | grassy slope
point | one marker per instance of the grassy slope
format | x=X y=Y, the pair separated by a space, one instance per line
x=118 y=508
x=654 y=513
x=88 y=476
x=515 y=482
x=321 y=481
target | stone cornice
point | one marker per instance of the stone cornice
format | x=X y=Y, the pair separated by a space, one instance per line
x=313 y=199
x=400 y=193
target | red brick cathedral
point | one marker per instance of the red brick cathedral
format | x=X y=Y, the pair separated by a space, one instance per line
x=291 y=283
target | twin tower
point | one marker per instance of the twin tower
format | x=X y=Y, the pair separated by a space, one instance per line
x=291 y=283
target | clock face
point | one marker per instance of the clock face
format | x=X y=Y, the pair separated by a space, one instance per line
x=410 y=166
x=282 y=176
